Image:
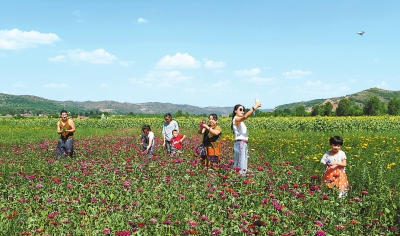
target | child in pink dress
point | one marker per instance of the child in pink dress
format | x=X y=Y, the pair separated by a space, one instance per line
x=334 y=161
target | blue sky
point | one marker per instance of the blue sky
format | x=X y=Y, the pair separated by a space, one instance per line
x=202 y=53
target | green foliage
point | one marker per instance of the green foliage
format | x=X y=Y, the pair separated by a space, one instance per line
x=300 y=111
x=394 y=106
x=317 y=110
x=374 y=107
x=347 y=108
x=328 y=109
x=109 y=187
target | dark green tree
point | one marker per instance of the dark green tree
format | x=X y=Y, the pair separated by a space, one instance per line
x=179 y=113
x=317 y=110
x=374 y=107
x=344 y=108
x=394 y=106
x=286 y=112
x=300 y=111
x=328 y=109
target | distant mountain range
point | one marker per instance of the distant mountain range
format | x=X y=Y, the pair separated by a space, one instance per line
x=20 y=104
x=359 y=98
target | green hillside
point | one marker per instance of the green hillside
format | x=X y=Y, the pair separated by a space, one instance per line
x=359 y=98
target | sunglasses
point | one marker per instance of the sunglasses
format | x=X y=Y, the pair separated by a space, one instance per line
x=241 y=109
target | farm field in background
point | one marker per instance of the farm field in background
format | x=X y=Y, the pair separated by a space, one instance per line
x=109 y=188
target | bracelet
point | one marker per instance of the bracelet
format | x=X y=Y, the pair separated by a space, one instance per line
x=253 y=108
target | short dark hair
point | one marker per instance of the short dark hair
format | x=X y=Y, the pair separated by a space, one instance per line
x=336 y=140
x=168 y=115
x=144 y=127
x=63 y=111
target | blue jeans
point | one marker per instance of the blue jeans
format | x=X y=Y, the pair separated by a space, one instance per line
x=65 y=147
x=151 y=149
x=168 y=146
x=240 y=157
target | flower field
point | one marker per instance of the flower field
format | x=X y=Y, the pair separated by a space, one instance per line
x=109 y=188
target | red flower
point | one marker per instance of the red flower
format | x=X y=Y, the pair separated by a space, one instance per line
x=314 y=177
x=353 y=222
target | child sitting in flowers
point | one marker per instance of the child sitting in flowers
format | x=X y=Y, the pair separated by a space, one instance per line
x=147 y=138
x=334 y=161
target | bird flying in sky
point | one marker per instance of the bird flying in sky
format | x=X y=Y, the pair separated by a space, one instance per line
x=361 y=33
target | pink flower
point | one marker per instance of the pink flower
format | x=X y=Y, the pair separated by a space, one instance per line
x=318 y=223
x=106 y=231
x=167 y=222
x=320 y=233
x=192 y=224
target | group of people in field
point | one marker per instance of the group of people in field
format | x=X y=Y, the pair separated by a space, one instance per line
x=333 y=160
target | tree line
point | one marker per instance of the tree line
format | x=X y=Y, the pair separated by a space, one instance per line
x=372 y=107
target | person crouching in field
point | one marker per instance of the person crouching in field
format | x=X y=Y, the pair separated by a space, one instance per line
x=334 y=161
x=176 y=142
x=147 y=138
x=66 y=128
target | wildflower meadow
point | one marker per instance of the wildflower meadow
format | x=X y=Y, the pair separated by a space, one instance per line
x=110 y=188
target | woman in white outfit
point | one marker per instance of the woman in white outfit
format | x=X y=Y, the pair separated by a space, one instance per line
x=241 y=136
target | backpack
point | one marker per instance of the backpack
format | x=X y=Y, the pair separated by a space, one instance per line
x=200 y=150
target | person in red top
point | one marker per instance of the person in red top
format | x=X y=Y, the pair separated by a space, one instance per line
x=176 y=142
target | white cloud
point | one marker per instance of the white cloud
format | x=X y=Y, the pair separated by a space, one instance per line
x=160 y=79
x=313 y=84
x=104 y=85
x=252 y=72
x=178 y=61
x=58 y=58
x=259 y=80
x=382 y=85
x=141 y=20
x=213 y=64
x=296 y=74
x=326 y=90
x=19 y=84
x=126 y=63
x=54 y=85
x=99 y=56
x=190 y=90
x=221 y=84
x=16 y=39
